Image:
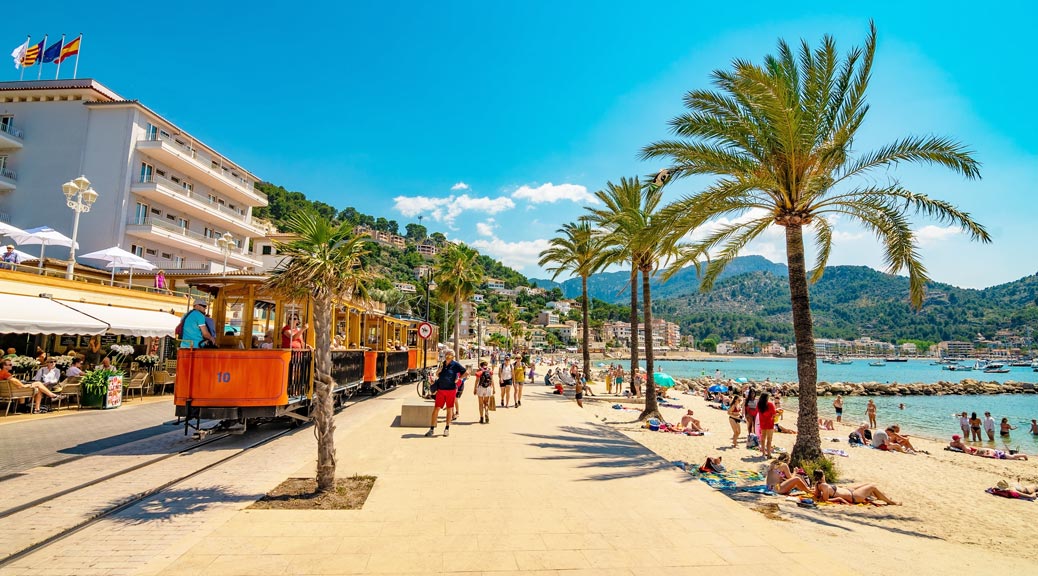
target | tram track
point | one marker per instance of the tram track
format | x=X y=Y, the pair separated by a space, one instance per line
x=10 y=515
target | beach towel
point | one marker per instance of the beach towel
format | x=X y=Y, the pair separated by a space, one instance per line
x=624 y=408
x=1012 y=494
x=834 y=452
x=671 y=405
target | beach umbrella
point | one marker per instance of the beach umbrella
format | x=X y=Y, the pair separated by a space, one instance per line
x=42 y=235
x=664 y=380
x=741 y=380
x=7 y=229
x=718 y=388
x=116 y=257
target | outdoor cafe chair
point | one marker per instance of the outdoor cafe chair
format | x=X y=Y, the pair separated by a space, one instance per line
x=136 y=383
x=12 y=393
x=160 y=379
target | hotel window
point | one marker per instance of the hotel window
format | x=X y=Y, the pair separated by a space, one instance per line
x=146 y=172
x=175 y=179
x=137 y=250
x=156 y=211
x=167 y=256
x=150 y=252
x=189 y=187
x=185 y=224
x=212 y=199
x=268 y=250
x=160 y=172
x=209 y=233
x=178 y=261
x=151 y=131
x=171 y=217
x=141 y=214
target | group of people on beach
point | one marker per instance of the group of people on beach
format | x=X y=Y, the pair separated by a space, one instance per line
x=971 y=426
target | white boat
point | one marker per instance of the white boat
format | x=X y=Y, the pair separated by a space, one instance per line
x=877 y=363
x=957 y=368
x=996 y=368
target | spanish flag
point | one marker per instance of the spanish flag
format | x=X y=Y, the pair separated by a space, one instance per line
x=32 y=54
x=70 y=49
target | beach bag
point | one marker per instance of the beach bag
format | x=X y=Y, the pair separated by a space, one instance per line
x=493 y=405
x=752 y=441
x=855 y=439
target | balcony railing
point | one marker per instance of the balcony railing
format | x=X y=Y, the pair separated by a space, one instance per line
x=9 y=174
x=204 y=160
x=180 y=230
x=9 y=129
x=178 y=188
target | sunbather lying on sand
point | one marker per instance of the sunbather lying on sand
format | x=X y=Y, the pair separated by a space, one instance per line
x=854 y=494
x=779 y=478
x=825 y=424
x=956 y=442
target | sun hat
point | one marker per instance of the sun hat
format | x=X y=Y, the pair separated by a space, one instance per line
x=956 y=437
x=1002 y=485
x=201 y=302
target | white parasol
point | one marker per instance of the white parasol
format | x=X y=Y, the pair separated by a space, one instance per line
x=42 y=235
x=118 y=258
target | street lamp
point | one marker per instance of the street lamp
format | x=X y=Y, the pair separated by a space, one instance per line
x=79 y=196
x=226 y=242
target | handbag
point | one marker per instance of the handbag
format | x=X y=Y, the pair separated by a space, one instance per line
x=493 y=405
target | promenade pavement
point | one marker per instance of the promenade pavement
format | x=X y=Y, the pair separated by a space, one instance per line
x=541 y=489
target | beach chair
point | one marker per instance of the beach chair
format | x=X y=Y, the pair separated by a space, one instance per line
x=136 y=383
x=12 y=393
x=70 y=387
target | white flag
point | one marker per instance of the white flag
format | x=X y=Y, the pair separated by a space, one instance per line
x=19 y=54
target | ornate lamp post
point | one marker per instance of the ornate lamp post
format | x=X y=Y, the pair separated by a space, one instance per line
x=79 y=196
x=225 y=242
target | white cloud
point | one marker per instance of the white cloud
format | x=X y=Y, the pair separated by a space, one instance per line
x=518 y=255
x=932 y=235
x=486 y=228
x=447 y=209
x=550 y=193
x=459 y=186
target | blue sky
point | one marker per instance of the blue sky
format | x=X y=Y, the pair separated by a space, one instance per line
x=496 y=120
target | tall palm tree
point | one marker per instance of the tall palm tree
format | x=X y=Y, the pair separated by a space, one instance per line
x=576 y=249
x=506 y=316
x=632 y=231
x=458 y=275
x=322 y=262
x=779 y=137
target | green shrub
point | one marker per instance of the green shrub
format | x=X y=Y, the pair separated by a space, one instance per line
x=825 y=464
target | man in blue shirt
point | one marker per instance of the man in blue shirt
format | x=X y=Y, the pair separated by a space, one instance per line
x=446 y=391
x=10 y=258
x=195 y=328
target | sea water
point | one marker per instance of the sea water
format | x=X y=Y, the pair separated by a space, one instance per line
x=930 y=416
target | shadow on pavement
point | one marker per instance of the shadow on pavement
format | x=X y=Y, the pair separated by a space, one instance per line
x=176 y=503
x=601 y=447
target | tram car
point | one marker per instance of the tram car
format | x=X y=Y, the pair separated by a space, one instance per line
x=254 y=373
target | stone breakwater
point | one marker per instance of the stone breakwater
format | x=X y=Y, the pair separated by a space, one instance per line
x=966 y=386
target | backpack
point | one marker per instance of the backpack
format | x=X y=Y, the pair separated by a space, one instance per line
x=486 y=379
x=752 y=441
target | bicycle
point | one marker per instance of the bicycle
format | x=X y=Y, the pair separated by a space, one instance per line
x=424 y=387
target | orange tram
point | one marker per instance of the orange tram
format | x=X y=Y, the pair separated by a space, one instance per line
x=251 y=376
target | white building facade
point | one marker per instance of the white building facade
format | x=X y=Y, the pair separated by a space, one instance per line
x=162 y=194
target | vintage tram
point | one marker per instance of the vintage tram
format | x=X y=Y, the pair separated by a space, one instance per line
x=256 y=374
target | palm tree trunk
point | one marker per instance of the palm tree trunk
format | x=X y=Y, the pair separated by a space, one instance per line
x=324 y=407
x=634 y=328
x=652 y=409
x=586 y=331
x=809 y=444
x=457 y=326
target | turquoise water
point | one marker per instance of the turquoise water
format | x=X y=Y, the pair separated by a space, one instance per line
x=929 y=416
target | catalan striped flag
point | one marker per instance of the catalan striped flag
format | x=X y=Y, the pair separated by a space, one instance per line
x=70 y=49
x=32 y=54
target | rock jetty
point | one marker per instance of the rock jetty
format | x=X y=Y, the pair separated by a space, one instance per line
x=966 y=386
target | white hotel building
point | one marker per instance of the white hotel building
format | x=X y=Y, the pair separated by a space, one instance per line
x=163 y=194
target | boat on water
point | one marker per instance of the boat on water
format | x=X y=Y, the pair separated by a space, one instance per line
x=1034 y=365
x=836 y=360
x=996 y=368
x=877 y=363
x=1022 y=363
x=957 y=368
x=896 y=359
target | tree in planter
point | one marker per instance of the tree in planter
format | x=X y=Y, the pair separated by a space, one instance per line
x=322 y=262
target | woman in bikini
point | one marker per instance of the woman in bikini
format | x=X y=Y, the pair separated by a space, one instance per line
x=855 y=494
x=735 y=419
x=750 y=410
x=975 y=427
x=780 y=480
x=956 y=443
x=870 y=411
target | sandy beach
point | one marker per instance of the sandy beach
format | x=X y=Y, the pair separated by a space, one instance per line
x=947 y=522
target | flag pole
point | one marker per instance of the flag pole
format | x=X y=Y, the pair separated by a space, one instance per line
x=39 y=62
x=75 y=70
x=58 y=73
x=28 y=39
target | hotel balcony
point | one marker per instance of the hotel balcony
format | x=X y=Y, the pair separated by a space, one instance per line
x=10 y=137
x=167 y=233
x=174 y=195
x=201 y=167
x=8 y=179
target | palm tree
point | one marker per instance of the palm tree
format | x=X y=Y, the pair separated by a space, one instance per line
x=632 y=230
x=576 y=249
x=779 y=138
x=457 y=276
x=506 y=317
x=322 y=262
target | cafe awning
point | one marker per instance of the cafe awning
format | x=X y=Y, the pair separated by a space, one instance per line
x=128 y=321
x=38 y=315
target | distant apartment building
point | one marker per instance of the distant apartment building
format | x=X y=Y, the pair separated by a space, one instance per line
x=382 y=237
x=495 y=284
x=428 y=251
x=955 y=348
x=532 y=291
x=405 y=287
x=546 y=317
x=422 y=272
x=163 y=194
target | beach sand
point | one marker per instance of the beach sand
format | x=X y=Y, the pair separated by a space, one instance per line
x=947 y=524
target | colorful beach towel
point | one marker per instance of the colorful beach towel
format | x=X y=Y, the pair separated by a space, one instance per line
x=624 y=408
x=671 y=405
x=1012 y=494
x=834 y=452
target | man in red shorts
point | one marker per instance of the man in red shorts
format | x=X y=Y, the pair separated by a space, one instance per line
x=446 y=391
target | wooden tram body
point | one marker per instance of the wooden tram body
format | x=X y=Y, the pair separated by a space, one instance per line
x=245 y=379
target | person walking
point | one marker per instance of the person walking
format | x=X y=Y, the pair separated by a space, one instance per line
x=504 y=375
x=484 y=391
x=989 y=426
x=735 y=420
x=518 y=379
x=838 y=406
x=446 y=384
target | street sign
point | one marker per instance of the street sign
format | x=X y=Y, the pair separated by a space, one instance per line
x=424 y=330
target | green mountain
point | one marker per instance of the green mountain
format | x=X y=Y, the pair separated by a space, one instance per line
x=752 y=299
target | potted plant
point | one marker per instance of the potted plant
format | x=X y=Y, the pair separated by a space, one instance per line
x=24 y=366
x=147 y=361
x=101 y=388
